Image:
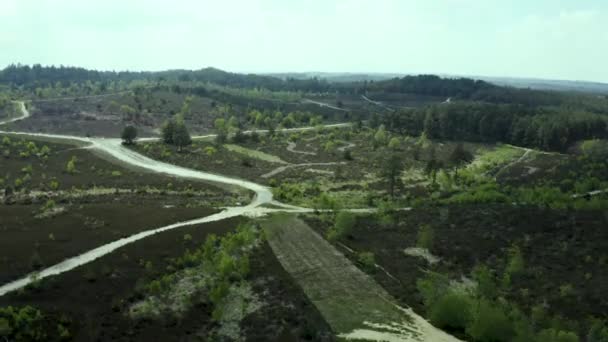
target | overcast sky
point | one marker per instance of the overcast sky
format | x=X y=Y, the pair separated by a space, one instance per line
x=557 y=39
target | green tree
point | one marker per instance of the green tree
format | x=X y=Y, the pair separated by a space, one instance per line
x=167 y=131
x=181 y=136
x=459 y=157
x=380 y=137
x=128 y=112
x=129 y=133
x=392 y=172
x=222 y=130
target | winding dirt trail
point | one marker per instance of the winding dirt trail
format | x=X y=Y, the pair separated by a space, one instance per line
x=114 y=148
x=291 y=147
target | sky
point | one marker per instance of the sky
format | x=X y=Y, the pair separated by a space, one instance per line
x=553 y=39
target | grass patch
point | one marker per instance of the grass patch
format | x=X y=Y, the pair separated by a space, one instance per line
x=254 y=154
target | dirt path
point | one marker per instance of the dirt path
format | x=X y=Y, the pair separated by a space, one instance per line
x=516 y=161
x=291 y=147
x=24 y=114
x=123 y=155
x=322 y=104
x=377 y=103
x=282 y=169
x=348 y=146
x=353 y=304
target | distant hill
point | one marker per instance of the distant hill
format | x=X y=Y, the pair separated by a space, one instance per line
x=532 y=83
x=345 y=77
x=542 y=84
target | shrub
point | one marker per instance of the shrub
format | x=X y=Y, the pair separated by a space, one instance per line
x=486 y=283
x=343 y=225
x=552 y=335
x=598 y=332
x=432 y=287
x=490 y=323
x=394 y=143
x=71 y=165
x=116 y=173
x=515 y=264
x=452 y=310
x=368 y=260
x=426 y=235
x=54 y=184
x=210 y=151
x=21 y=324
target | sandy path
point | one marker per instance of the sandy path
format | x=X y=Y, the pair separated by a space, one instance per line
x=322 y=104
x=24 y=114
x=348 y=146
x=291 y=147
x=284 y=168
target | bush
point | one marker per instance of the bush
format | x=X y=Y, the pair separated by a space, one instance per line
x=426 y=235
x=24 y=324
x=552 y=335
x=343 y=225
x=210 y=151
x=452 y=310
x=71 y=165
x=598 y=332
x=515 y=265
x=490 y=323
x=368 y=260
x=486 y=282
x=432 y=287
x=54 y=184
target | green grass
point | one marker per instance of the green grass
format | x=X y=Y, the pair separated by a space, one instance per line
x=254 y=154
x=502 y=154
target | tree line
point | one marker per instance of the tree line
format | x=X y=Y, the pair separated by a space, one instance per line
x=31 y=77
x=546 y=128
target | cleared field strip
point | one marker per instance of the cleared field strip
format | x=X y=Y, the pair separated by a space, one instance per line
x=353 y=304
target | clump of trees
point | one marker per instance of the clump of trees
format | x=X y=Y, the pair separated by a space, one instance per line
x=175 y=132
